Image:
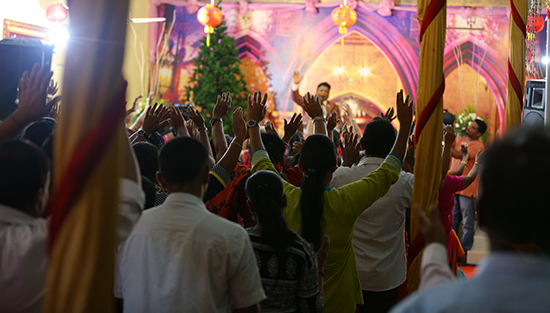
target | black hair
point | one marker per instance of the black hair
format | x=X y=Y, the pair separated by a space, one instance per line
x=378 y=137
x=182 y=160
x=275 y=147
x=24 y=169
x=482 y=126
x=324 y=84
x=150 y=193
x=39 y=131
x=448 y=117
x=265 y=191
x=513 y=201
x=317 y=158
x=295 y=159
x=148 y=160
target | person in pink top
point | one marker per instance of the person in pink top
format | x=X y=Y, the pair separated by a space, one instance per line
x=464 y=208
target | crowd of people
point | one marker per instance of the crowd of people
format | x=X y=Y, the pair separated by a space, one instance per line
x=264 y=222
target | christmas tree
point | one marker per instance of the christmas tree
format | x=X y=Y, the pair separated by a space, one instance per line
x=217 y=71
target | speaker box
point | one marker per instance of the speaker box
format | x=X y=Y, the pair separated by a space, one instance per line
x=18 y=55
x=533 y=109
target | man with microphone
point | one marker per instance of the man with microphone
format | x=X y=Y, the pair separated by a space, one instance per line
x=323 y=91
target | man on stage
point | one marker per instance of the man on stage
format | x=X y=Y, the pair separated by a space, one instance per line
x=323 y=91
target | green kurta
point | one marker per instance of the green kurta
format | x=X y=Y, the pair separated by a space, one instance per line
x=342 y=207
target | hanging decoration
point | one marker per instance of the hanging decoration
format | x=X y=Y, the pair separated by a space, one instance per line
x=57 y=12
x=343 y=17
x=535 y=24
x=209 y=16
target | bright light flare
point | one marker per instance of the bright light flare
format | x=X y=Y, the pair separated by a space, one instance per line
x=58 y=35
x=364 y=72
x=545 y=59
x=338 y=71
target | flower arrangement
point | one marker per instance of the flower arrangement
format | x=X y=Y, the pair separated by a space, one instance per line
x=465 y=118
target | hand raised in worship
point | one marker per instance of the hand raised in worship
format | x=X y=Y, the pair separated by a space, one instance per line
x=464 y=149
x=404 y=109
x=223 y=105
x=156 y=117
x=130 y=111
x=296 y=77
x=52 y=88
x=430 y=225
x=478 y=156
x=196 y=117
x=33 y=93
x=332 y=121
x=312 y=105
x=292 y=126
x=450 y=136
x=191 y=129
x=256 y=109
x=351 y=149
x=239 y=125
x=56 y=108
x=270 y=128
x=389 y=115
x=296 y=147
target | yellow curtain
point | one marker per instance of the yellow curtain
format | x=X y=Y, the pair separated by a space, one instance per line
x=432 y=16
x=81 y=273
x=516 y=64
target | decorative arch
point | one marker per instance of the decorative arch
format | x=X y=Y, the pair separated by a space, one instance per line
x=491 y=69
x=377 y=29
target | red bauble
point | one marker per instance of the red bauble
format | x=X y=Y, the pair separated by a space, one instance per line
x=540 y=24
x=344 y=16
x=57 y=12
x=210 y=15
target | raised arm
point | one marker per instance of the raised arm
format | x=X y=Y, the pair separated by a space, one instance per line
x=291 y=127
x=351 y=116
x=222 y=107
x=312 y=105
x=404 y=115
x=231 y=156
x=295 y=86
x=32 y=102
x=203 y=135
x=255 y=113
x=156 y=117
x=449 y=135
x=460 y=169
x=472 y=175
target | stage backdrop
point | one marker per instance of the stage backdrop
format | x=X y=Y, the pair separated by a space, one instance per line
x=379 y=57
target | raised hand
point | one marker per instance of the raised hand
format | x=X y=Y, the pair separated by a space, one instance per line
x=351 y=150
x=239 y=124
x=348 y=110
x=464 y=149
x=296 y=77
x=256 y=109
x=431 y=226
x=332 y=121
x=52 y=88
x=177 y=118
x=156 y=117
x=296 y=147
x=223 y=105
x=128 y=118
x=33 y=93
x=404 y=109
x=450 y=135
x=191 y=129
x=389 y=115
x=292 y=126
x=196 y=117
x=312 y=105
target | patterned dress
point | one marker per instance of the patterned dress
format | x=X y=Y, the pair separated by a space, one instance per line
x=289 y=278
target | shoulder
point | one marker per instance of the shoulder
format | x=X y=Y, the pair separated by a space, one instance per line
x=442 y=298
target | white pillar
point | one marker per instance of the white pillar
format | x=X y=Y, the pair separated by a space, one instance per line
x=547 y=93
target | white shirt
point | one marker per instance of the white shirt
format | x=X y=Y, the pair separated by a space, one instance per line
x=24 y=255
x=182 y=258
x=505 y=282
x=379 y=237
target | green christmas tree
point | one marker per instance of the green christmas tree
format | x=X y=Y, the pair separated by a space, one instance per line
x=217 y=71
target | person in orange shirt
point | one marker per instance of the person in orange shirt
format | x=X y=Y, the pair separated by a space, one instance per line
x=465 y=200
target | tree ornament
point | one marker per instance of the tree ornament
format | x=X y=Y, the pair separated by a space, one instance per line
x=209 y=16
x=343 y=17
x=57 y=12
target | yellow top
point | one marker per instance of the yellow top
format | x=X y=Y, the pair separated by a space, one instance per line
x=342 y=207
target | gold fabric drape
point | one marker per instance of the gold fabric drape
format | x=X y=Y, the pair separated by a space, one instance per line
x=81 y=273
x=427 y=172
x=516 y=64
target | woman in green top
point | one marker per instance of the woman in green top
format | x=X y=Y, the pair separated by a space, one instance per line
x=314 y=209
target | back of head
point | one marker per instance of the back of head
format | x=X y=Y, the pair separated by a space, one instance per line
x=39 y=131
x=24 y=170
x=182 y=160
x=150 y=193
x=265 y=191
x=378 y=137
x=317 y=158
x=274 y=146
x=513 y=201
x=147 y=157
x=481 y=126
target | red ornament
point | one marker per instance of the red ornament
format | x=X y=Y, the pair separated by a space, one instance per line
x=343 y=17
x=57 y=12
x=209 y=16
x=540 y=24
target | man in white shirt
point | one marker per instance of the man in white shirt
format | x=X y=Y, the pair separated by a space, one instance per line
x=379 y=237
x=24 y=192
x=182 y=258
x=513 y=209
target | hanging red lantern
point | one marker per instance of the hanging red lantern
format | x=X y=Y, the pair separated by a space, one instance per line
x=540 y=24
x=57 y=12
x=343 y=17
x=209 y=16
